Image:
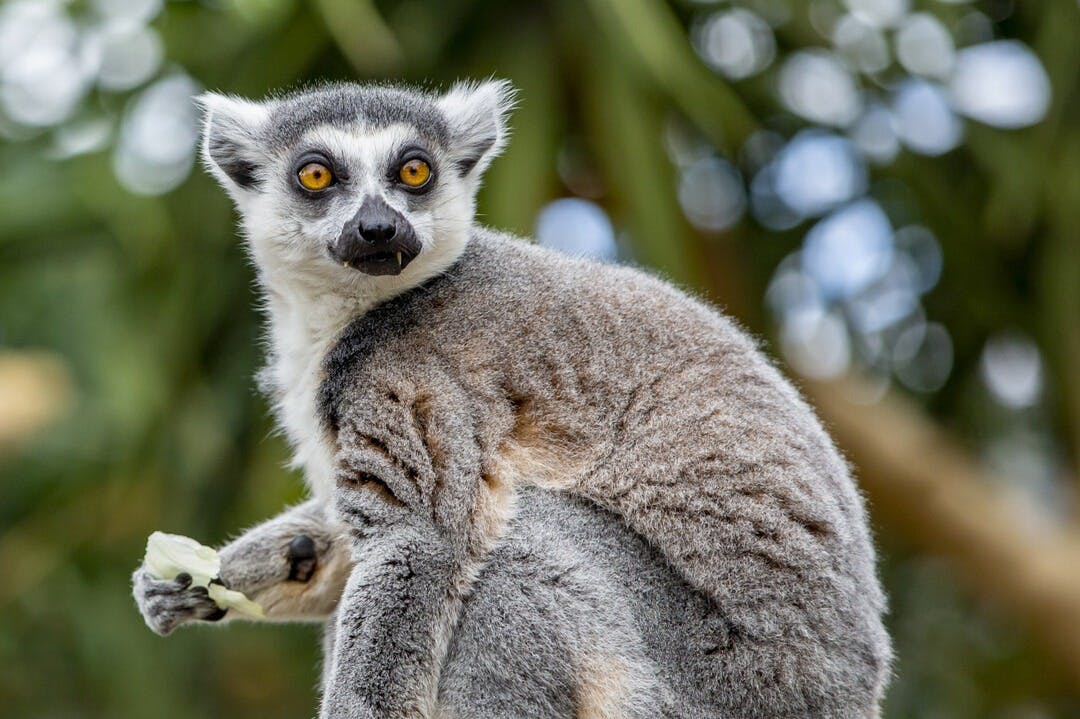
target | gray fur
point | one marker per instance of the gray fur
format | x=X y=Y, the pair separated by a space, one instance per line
x=646 y=403
x=554 y=487
x=549 y=630
x=346 y=104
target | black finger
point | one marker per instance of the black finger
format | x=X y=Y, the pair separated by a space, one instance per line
x=216 y=615
x=302 y=559
x=300 y=548
x=156 y=589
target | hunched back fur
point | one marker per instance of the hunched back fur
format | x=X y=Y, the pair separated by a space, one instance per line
x=519 y=367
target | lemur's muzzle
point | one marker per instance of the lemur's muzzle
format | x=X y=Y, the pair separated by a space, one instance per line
x=378 y=240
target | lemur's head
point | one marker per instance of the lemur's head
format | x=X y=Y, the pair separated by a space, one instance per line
x=356 y=183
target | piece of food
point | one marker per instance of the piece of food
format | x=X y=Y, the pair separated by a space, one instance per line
x=232 y=599
x=169 y=555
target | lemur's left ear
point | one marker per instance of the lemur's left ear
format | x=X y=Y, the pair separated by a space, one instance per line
x=231 y=147
x=477 y=114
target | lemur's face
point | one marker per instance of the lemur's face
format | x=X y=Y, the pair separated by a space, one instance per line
x=354 y=181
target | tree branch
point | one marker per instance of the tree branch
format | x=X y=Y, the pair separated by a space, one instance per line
x=922 y=484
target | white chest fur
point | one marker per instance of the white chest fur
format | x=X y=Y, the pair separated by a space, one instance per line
x=299 y=347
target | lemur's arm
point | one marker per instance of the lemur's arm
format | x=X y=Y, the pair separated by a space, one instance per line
x=410 y=490
x=295 y=565
x=393 y=625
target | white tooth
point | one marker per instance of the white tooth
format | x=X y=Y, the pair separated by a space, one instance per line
x=399 y=259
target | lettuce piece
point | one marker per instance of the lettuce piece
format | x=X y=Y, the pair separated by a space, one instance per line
x=232 y=599
x=168 y=555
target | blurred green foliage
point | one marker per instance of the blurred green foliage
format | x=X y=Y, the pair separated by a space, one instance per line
x=150 y=302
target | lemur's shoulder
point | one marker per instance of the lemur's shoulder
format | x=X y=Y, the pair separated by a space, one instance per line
x=539 y=282
x=499 y=262
x=494 y=259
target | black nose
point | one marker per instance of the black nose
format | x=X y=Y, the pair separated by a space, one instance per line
x=378 y=233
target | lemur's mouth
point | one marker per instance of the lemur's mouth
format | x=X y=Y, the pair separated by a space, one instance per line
x=389 y=257
x=382 y=262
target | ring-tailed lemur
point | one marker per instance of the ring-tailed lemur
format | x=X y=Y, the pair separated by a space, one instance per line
x=542 y=486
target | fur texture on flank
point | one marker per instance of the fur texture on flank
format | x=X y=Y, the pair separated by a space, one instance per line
x=549 y=487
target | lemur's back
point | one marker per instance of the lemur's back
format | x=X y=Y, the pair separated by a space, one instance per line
x=520 y=367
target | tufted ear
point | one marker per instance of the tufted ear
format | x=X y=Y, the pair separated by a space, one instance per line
x=477 y=116
x=232 y=148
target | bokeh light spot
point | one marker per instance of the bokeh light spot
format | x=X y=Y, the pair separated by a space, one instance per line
x=1000 y=83
x=45 y=68
x=819 y=87
x=925 y=47
x=576 y=227
x=736 y=43
x=158 y=135
x=861 y=45
x=924 y=119
x=765 y=202
x=875 y=135
x=130 y=55
x=817 y=171
x=848 y=250
x=816 y=343
x=887 y=301
x=1011 y=368
x=712 y=194
x=922 y=248
x=925 y=357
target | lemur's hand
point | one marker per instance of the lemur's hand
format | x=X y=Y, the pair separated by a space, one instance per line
x=294 y=565
x=165 y=604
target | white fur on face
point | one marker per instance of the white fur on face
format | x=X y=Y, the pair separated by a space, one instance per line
x=310 y=299
x=290 y=244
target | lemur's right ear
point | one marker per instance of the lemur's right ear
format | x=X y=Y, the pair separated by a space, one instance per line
x=231 y=146
x=477 y=116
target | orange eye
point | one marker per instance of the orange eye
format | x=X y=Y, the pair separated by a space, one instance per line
x=415 y=172
x=315 y=176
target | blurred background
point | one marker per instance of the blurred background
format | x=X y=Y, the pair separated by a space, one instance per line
x=886 y=192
